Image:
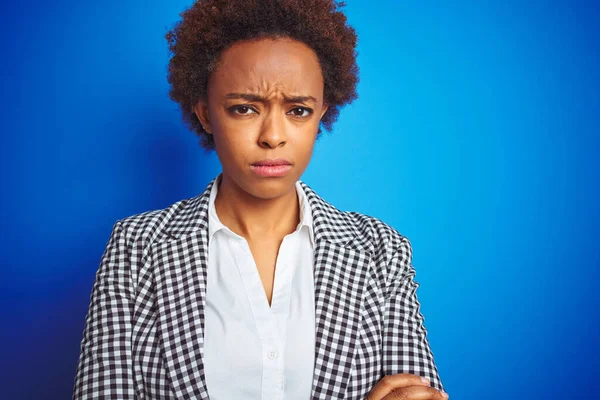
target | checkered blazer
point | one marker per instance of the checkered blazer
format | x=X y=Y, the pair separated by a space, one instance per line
x=143 y=337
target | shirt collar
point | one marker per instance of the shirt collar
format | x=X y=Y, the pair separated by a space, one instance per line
x=306 y=219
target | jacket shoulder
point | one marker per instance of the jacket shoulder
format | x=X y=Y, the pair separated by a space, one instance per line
x=160 y=224
x=378 y=234
x=390 y=250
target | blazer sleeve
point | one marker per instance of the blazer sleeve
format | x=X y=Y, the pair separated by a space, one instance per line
x=105 y=362
x=405 y=345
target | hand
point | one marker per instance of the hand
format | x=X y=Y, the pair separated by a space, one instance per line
x=404 y=387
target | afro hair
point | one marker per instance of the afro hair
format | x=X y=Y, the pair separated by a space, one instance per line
x=210 y=26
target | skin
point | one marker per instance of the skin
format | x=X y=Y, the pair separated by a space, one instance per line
x=247 y=130
x=405 y=387
x=277 y=116
x=265 y=101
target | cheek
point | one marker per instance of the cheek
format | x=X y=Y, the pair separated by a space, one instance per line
x=233 y=145
x=219 y=120
x=229 y=144
x=306 y=141
x=226 y=133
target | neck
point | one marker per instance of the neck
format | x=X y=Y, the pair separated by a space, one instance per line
x=256 y=218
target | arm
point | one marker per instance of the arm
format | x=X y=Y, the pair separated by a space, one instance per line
x=405 y=345
x=105 y=363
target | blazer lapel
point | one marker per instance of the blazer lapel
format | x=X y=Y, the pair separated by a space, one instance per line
x=180 y=276
x=340 y=271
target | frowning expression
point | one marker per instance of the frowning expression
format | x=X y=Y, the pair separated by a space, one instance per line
x=264 y=104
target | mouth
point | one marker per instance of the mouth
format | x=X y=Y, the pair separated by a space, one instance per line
x=271 y=168
x=270 y=163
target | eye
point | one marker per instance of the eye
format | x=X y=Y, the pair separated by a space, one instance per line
x=300 y=112
x=242 y=110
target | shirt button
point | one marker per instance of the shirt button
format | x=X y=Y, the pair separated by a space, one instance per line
x=272 y=354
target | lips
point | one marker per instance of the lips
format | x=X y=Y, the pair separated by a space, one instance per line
x=269 y=162
x=271 y=168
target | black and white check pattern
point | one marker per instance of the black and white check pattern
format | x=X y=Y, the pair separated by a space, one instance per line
x=143 y=337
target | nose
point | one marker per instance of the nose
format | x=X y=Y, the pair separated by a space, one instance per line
x=272 y=132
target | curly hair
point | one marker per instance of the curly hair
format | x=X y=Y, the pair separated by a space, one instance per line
x=210 y=26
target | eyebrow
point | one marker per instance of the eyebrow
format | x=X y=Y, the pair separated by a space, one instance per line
x=259 y=98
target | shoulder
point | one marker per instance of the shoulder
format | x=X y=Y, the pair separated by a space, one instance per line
x=172 y=222
x=391 y=251
x=384 y=241
x=153 y=226
x=355 y=228
x=375 y=230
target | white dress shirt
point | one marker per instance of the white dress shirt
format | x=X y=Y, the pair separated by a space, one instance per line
x=253 y=351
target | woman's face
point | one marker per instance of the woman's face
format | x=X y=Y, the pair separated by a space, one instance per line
x=264 y=102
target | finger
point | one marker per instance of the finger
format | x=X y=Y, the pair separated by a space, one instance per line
x=415 y=393
x=391 y=382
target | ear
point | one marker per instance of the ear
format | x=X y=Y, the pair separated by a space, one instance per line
x=324 y=110
x=201 y=111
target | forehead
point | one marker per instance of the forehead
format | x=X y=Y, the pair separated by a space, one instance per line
x=268 y=65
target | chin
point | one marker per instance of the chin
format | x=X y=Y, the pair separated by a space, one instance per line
x=270 y=188
x=263 y=187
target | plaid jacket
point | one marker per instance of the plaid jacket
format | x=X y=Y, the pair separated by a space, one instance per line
x=143 y=337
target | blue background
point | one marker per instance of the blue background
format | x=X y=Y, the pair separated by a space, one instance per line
x=475 y=135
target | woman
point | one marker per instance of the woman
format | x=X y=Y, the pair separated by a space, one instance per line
x=257 y=288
